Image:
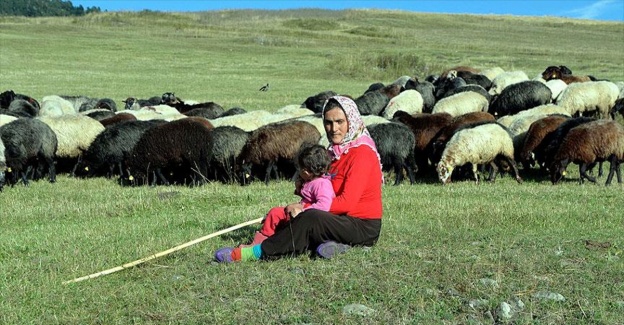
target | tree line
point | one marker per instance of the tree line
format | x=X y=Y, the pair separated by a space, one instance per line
x=40 y=8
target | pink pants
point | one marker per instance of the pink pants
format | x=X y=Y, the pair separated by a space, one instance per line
x=276 y=218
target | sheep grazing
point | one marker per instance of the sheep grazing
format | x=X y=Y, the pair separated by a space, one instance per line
x=56 y=106
x=209 y=110
x=118 y=118
x=519 y=97
x=108 y=151
x=233 y=111
x=181 y=149
x=506 y=79
x=531 y=152
x=228 y=144
x=373 y=102
x=598 y=96
x=133 y=103
x=461 y=103
x=28 y=143
x=74 y=134
x=479 y=145
x=562 y=72
x=424 y=127
x=395 y=143
x=550 y=145
x=409 y=101
x=441 y=138
x=587 y=144
x=618 y=108
x=272 y=145
x=23 y=108
x=426 y=90
x=9 y=96
x=315 y=103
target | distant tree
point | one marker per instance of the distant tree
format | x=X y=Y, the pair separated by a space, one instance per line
x=39 y=8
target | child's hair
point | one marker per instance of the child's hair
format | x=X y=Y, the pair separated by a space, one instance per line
x=314 y=158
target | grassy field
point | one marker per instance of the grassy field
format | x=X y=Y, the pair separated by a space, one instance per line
x=447 y=254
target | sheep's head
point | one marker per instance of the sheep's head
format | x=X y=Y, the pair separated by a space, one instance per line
x=169 y=98
x=444 y=172
x=130 y=101
x=558 y=170
x=552 y=72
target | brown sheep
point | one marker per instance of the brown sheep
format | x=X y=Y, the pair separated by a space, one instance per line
x=563 y=73
x=275 y=144
x=534 y=137
x=587 y=144
x=425 y=126
x=120 y=117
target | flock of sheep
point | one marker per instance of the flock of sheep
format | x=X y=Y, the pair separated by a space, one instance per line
x=453 y=125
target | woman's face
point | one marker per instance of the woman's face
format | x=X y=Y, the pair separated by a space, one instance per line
x=336 y=125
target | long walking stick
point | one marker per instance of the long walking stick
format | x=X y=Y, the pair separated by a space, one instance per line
x=163 y=253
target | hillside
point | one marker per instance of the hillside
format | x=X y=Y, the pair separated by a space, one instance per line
x=225 y=56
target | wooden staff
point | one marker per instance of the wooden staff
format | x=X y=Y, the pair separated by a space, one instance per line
x=163 y=253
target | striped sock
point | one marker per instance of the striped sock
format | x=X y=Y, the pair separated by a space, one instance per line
x=252 y=253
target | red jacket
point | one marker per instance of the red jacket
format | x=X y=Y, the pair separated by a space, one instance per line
x=357 y=179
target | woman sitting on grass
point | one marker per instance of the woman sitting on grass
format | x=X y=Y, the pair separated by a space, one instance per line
x=354 y=217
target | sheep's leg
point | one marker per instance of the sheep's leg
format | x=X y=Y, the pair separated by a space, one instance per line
x=158 y=173
x=25 y=175
x=614 y=166
x=73 y=172
x=474 y=173
x=583 y=171
x=267 y=174
x=493 y=172
x=513 y=166
x=617 y=171
x=398 y=171
x=600 y=169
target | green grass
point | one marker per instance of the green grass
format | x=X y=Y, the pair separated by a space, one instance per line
x=437 y=243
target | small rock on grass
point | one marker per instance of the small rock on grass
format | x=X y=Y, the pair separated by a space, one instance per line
x=546 y=295
x=358 y=309
x=504 y=310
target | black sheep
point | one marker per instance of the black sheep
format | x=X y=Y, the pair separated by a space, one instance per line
x=8 y=96
x=180 y=149
x=275 y=146
x=545 y=152
x=426 y=90
x=107 y=152
x=395 y=143
x=209 y=110
x=315 y=103
x=29 y=143
x=23 y=108
x=228 y=144
x=520 y=96
x=233 y=111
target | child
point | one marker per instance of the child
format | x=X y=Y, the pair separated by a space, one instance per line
x=312 y=185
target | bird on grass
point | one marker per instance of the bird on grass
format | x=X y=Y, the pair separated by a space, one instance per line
x=265 y=87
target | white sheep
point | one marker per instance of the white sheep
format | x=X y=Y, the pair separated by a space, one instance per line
x=54 y=105
x=409 y=101
x=547 y=109
x=479 y=145
x=156 y=112
x=492 y=73
x=248 y=121
x=461 y=103
x=556 y=86
x=505 y=79
x=581 y=97
x=73 y=132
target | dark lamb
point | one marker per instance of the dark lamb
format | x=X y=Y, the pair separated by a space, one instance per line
x=519 y=97
x=30 y=146
x=395 y=143
x=181 y=149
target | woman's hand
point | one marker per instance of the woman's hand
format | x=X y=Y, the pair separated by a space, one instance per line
x=294 y=209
